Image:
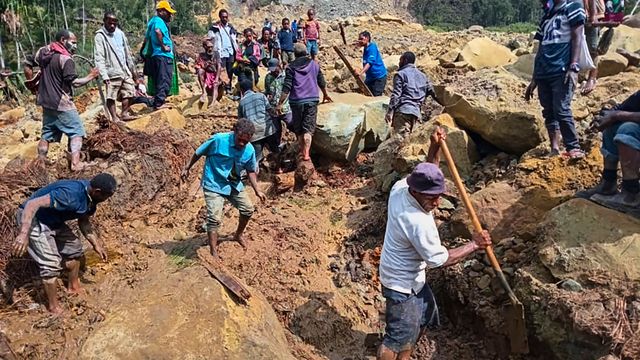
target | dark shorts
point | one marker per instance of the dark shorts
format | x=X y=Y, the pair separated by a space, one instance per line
x=592 y=34
x=55 y=123
x=376 y=86
x=406 y=316
x=304 y=118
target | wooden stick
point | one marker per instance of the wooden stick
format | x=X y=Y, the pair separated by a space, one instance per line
x=365 y=90
x=218 y=271
x=474 y=219
x=344 y=39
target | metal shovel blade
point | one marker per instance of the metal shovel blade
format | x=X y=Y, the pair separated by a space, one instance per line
x=514 y=318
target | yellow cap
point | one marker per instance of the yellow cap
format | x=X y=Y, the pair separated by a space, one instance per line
x=166 y=6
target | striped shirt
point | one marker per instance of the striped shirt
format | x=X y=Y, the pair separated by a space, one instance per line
x=554 y=33
x=254 y=107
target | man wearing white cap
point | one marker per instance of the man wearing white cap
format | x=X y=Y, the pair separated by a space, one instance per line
x=411 y=245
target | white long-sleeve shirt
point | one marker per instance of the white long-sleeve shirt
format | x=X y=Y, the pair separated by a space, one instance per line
x=411 y=243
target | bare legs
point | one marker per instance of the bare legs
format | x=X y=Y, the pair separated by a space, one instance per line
x=73 y=286
x=305 y=146
x=213 y=236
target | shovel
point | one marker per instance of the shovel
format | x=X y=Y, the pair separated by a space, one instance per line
x=514 y=311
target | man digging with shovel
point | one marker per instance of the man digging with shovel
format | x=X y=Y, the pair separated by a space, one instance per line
x=411 y=245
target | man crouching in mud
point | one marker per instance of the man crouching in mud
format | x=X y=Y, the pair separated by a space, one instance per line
x=227 y=155
x=45 y=234
x=412 y=244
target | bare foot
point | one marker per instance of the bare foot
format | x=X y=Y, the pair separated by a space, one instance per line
x=203 y=98
x=589 y=87
x=164 y=106
x=80 y=166
x=55 y=310
x=214 y=252
x=241 y=241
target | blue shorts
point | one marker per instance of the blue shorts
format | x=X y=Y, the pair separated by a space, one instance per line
x=312 y=47
x=55 y=123
x=407 y=315
x=626 y=133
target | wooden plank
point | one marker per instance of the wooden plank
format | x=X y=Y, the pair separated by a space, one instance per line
x=365 y=90
x=218 y=271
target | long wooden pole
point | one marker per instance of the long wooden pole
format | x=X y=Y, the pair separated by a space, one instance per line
x=365 y=90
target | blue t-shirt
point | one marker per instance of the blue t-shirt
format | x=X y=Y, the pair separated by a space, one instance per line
x=69 y=200
x=554 y=55
x=372 y=57
x=224 y=163
x=157 y=23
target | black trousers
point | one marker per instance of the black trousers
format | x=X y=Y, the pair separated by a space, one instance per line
x=162 y=74
x=227 y=63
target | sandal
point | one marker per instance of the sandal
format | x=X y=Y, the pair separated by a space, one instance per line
x=575 y=154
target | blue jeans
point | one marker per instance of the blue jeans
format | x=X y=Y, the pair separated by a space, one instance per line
x=555 y=98
x=627 y=133
x=406 y=316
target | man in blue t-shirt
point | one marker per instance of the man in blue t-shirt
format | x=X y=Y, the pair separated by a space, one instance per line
x=556 y=71
x=227 y=156
x=162 y=52
x=49 y=240
x=372 y=65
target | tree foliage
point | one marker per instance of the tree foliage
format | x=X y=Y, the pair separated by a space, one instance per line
x=41 y=19
x=464 y=13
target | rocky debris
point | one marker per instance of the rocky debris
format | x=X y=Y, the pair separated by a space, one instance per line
x=570 y=285
x=388 y=18
x=12 y=116
x=611 y=63
x=523 y=67
x=632 y=57
x=483 y=53
x=209 y=325
x=350 y=124
x=583 y=239
x=494 y=109
x=158 y=120
x=501 y=210
x=626 y=38
x=396 y=158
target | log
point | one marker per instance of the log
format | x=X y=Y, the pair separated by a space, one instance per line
x=365 y=90
x=218 y=271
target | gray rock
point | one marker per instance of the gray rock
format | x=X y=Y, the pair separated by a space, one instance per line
x=571 y=285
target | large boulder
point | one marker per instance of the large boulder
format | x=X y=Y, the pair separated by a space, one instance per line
x=396 y=158
x=583 y=239
x=523 y=67
x=350 y=124
x=158 y=120
x=483 y=52
x=501 y=209
x=625 y=37
x=633 y=21
x=611 y=64
x=494 y=108
x=185 y=324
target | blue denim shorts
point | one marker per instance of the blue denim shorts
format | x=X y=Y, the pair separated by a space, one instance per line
x=627 y=133
x=55 y=123
x=312 y=47
x=407 y=315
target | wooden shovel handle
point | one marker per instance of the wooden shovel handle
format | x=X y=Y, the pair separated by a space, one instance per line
x=474 y=219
